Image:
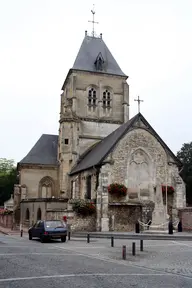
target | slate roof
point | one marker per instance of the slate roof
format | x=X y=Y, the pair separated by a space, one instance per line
x=100 y=151
x=88 y=52
x=43 y=152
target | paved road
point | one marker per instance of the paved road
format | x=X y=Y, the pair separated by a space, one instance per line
x=25 y=263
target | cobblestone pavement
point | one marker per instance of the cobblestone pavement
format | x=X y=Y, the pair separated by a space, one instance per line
x=164 y=256
x=76 y=263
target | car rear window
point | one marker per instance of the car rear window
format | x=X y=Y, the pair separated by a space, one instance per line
x=53 y=224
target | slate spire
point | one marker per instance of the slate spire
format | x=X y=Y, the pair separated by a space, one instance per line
x=94 y=56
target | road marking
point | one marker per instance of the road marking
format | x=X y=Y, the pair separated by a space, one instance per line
x=28 y=254
x=83 y=275
x=86 y=247
x=6 y=245
x=159 y=245
x=181 y=243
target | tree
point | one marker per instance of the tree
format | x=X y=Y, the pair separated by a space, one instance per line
x=185 y=156
x=8 y=177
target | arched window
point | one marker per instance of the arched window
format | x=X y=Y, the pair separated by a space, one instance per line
x=46 y=187
x=27 y=214
x=39 y=214
x=107 y=99
x=92 y=97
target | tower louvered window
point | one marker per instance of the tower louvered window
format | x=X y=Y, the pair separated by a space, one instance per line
x=106 y=99
x=92 y=97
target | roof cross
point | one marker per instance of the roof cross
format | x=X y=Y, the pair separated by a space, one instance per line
x=93 y=21
x=139 y=101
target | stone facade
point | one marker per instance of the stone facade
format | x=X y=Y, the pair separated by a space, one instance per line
x=124 y=217
x=38 y=181
x=6 y=221
x=84 y=123
x=185 y=215
x=79 y=223
x=141 y=163
x=36 y=209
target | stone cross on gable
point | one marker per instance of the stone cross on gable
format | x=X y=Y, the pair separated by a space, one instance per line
x=139 y=101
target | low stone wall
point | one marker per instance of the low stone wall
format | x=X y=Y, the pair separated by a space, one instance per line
x=6 y=221
x=79 y=223
x=125 y=217
x=75 y=222
x=185 y=215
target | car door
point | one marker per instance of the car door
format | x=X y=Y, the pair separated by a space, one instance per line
x=32 y=230
x=35 y=229
x=39 y=229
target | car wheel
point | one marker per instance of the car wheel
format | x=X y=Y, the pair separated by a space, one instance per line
x=42 y=239
x=63 y=239
x=30 y=236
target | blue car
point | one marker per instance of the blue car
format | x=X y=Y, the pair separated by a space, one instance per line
x=47 y=230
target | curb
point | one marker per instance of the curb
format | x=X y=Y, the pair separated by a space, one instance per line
x=3 y=232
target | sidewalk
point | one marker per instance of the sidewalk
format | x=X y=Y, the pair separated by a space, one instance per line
x=8 y=231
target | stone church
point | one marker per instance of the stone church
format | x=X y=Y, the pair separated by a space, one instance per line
x=98 y=144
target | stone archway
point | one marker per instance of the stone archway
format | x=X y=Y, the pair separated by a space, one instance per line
x=46 y=187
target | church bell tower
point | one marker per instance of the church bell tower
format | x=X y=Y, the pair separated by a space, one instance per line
x=94 y=102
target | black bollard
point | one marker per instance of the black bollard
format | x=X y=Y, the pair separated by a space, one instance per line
x=170 y=227
x=69 y=235
x=137 y=227
x=124 y=252
x=88 y=238
x=141 y=245
x=179 y=227
x=112 y=241
x=21 y=232
x=133 y=248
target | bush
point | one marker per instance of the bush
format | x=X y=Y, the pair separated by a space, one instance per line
x=83 y=207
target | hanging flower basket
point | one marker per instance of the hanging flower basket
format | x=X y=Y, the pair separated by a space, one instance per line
x=83 y=207
x=170 y=189
x=117 y=189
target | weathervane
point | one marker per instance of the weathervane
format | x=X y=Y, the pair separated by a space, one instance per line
x=139 y=101
x=93 y=21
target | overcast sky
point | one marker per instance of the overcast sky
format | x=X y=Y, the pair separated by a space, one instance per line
x=39 y=40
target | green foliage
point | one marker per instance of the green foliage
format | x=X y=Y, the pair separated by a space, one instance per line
x=185 y=156
x=6 y=165
x=83 y=207
x=117 y=189
x=8 y=177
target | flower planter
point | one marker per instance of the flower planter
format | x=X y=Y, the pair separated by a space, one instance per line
x=83 y=207
x=117 y=190
x=170 y=189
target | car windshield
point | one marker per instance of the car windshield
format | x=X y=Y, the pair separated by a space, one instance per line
x=53 y=224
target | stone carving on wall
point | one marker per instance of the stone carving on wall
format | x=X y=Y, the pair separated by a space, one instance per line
x=139 y=170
